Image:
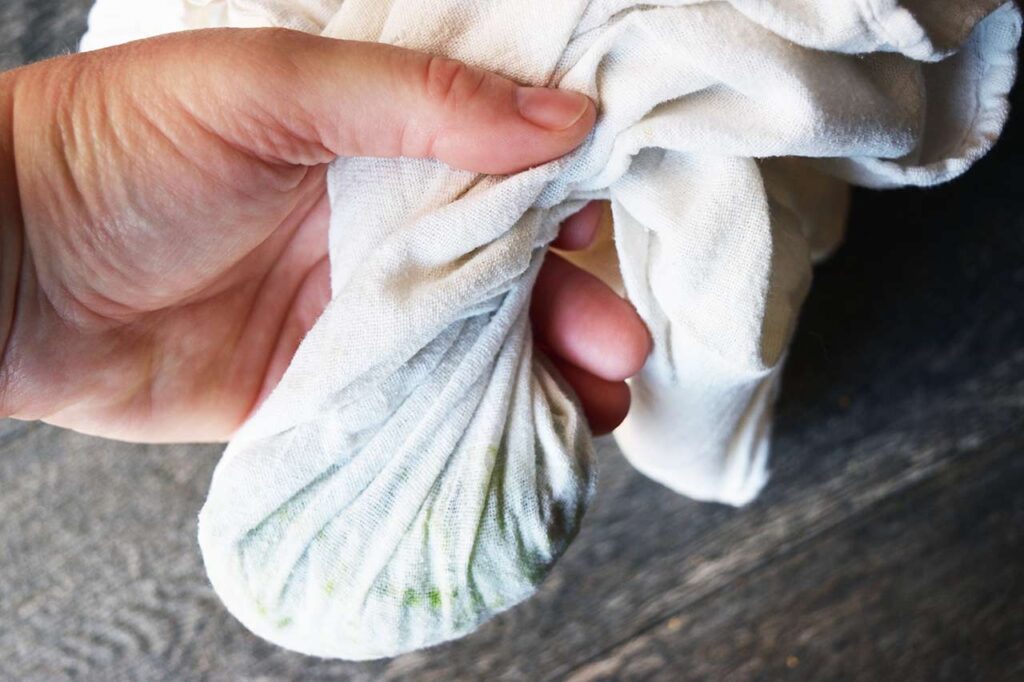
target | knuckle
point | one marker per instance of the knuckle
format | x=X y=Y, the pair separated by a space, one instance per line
x=450 y=83
x=449 y=88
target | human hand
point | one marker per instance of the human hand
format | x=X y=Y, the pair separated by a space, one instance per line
x=164 y=220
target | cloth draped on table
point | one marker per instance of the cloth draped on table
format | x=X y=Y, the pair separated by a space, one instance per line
x=419 y=468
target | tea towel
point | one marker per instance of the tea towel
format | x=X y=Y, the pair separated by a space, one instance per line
x=419 y=468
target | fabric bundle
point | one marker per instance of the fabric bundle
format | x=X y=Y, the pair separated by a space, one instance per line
x=419 y=468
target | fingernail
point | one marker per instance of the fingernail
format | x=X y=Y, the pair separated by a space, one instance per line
x=555 y=110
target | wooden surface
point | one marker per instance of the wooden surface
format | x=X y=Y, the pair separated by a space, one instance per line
x=888 y=546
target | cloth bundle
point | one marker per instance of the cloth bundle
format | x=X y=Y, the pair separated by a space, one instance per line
x=420 y=468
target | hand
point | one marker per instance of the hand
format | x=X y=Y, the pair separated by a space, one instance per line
x=164 y=220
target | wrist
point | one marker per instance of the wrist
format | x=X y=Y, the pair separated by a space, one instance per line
x=11 y=236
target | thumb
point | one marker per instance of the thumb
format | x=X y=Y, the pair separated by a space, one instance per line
x=304 y=99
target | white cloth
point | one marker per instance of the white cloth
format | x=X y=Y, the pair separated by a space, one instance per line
x=419 y=469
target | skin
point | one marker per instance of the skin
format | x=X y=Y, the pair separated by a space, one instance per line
x=163 y=220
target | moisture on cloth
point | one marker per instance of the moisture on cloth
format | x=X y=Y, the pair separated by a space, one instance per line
x=420 y=468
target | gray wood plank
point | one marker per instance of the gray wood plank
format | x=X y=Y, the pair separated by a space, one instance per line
x=882 y=597
x=10 y=429
x=31 y=30
x=102 y=573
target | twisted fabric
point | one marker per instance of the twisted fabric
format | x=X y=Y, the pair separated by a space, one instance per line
x=419 y=469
